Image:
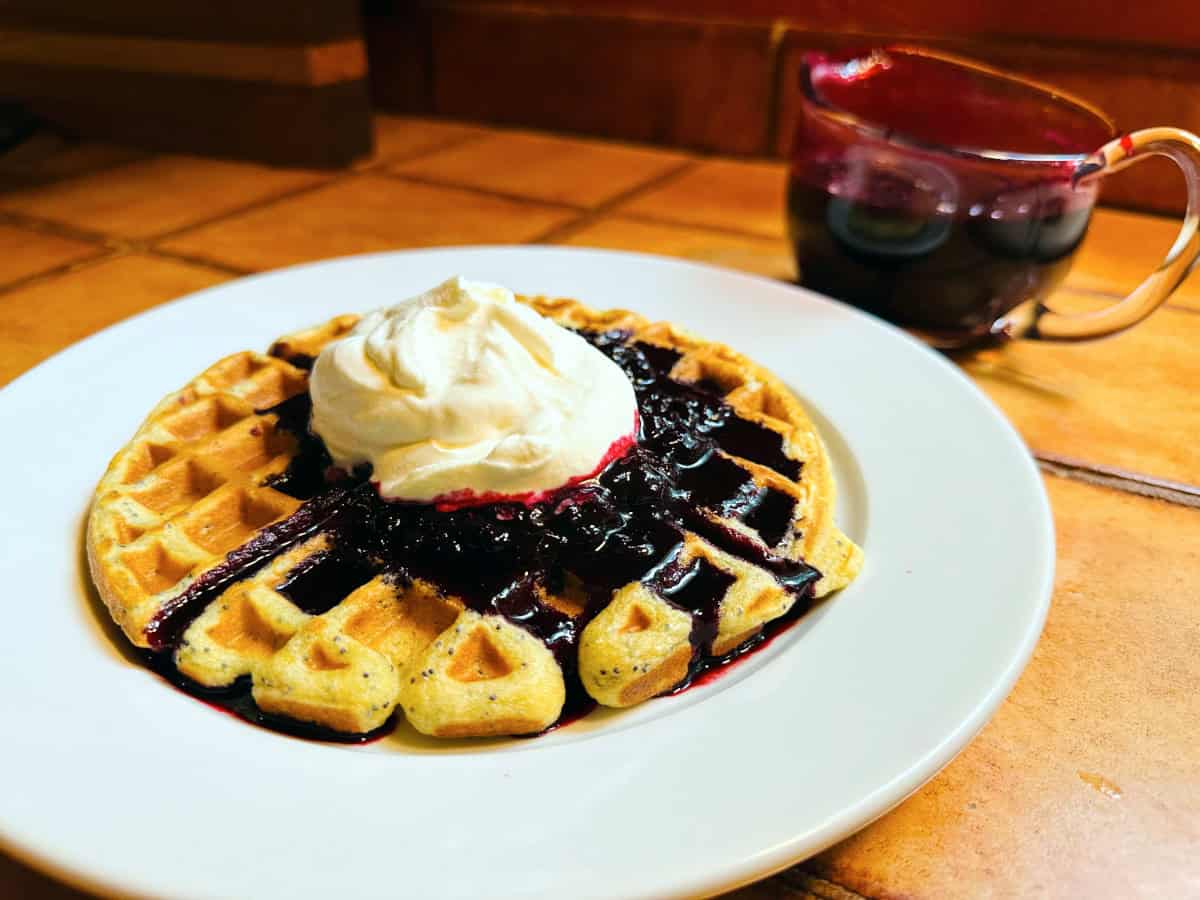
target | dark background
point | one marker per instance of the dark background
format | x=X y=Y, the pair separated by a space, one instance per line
x=294 y=81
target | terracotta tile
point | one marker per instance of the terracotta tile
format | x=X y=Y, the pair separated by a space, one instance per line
x=24 y=252
x=43 y=318
x=1129 y=401
x=363 y=214
x=17 y=880
x=398 y=137
x=155 y=196
x=1122 y=248
x=762 y=256
x=701 y=85
x=748 y=196
x=545 y=167
x=1108 y=705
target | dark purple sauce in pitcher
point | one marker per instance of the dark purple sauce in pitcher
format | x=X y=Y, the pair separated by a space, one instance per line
x=935 y=193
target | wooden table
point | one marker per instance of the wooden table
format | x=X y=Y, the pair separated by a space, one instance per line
x=1087 y=781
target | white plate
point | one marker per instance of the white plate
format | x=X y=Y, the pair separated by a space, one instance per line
x=116 y=781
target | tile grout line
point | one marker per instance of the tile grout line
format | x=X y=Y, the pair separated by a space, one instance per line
x=115 y=244
x=66 y=230
x=509 y=128
x=483 y=192
x=154 y=239
x=103 y=254
x=586 y=216
x=724 y=230
x=1120 y=480
x=417 y=155
x=596 y=213
x=200 y=261
x=58 y=229
x=151 y=245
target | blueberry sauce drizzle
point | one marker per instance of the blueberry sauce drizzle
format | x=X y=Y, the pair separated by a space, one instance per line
x=319 y=581
x=164 y=630
x=692 y=585
x=236 y=700
x=626 y=524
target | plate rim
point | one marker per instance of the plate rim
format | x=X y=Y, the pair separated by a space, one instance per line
x=849 y=819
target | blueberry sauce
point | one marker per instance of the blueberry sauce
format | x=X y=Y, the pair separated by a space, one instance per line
x=237 y=701
x=317 y=583
x=706 y=669
x=164 y=630
x=692 y=586
x=624 y=524
x=771 y=516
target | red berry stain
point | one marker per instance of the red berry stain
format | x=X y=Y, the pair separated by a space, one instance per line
x=467 y=497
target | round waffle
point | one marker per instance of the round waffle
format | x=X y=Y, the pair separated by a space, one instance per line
x=221 y=543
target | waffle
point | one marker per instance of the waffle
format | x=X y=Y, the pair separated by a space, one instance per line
x=213 y=538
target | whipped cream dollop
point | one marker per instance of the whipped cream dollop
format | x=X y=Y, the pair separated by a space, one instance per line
x=463 y=394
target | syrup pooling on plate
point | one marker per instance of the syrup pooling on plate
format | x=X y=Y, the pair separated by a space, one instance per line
x=625 y=525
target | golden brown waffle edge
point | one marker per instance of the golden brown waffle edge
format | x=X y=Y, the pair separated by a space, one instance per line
x=188 y=487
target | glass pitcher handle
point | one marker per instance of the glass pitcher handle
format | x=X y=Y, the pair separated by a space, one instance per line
x=1042 y=323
